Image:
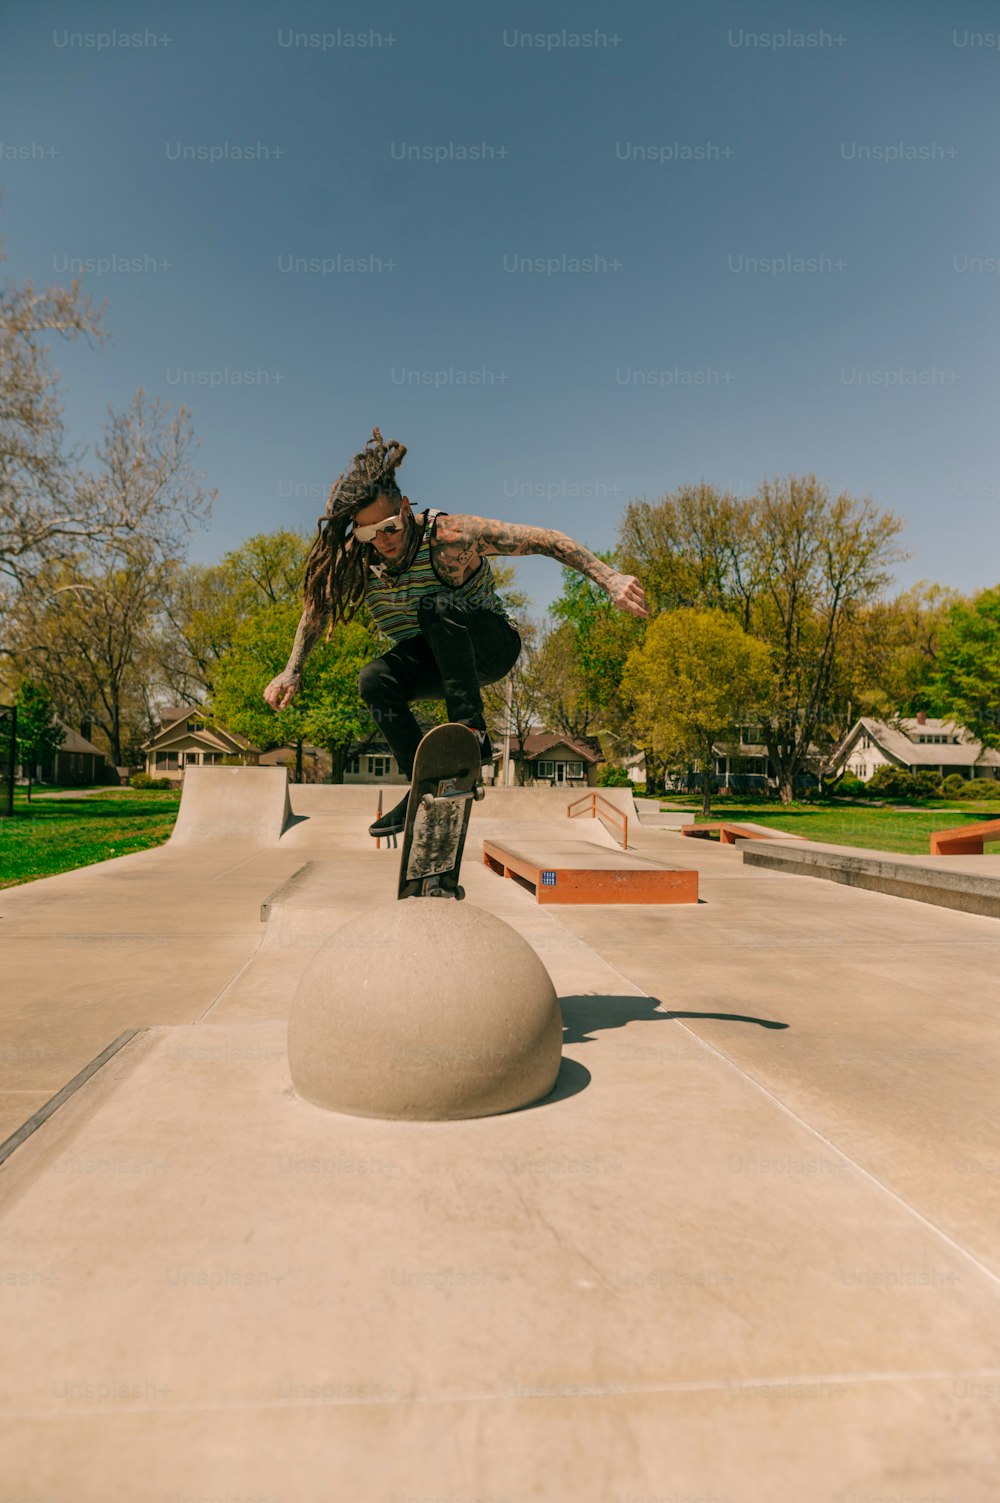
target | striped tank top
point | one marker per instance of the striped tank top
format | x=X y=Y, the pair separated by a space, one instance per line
x=392 y=599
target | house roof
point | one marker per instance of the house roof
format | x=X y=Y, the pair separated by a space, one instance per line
x=173 y=727
x=537 y=743
x=74 y=742
x=278 y=754
x=899 y=746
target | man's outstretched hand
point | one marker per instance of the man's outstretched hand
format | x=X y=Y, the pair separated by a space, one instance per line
x=627 y=593
x=281 y=689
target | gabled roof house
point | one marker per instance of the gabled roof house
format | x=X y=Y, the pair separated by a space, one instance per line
x=185 y=740
x=916 y=744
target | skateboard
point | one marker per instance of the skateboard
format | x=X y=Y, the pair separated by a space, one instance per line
x=446 y=779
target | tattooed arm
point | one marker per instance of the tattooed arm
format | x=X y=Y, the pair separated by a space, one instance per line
x=283 y=687
x=459 y=542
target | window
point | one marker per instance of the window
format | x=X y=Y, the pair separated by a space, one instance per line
x=167 y=760
x=574 y=769
x=546 y=769
x=354 y=763
x=379 y=767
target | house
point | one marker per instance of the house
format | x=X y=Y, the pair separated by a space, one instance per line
x=78 y=763
x=744 y=765
x=316 y=763
x=559 y=761
x=917 y=744
x=371 y=761
x=185 y=740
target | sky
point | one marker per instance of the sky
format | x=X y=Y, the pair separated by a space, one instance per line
x=570 y=254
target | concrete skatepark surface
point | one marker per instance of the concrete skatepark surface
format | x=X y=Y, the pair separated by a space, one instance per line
x=746 y=1250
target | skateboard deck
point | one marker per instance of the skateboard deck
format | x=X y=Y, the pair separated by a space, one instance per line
x=446 y=779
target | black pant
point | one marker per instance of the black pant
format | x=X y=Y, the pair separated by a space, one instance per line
x=459 y=649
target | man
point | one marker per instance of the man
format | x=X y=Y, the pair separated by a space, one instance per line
x=429 y=587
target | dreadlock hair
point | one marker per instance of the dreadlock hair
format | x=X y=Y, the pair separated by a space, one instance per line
x=337 y=564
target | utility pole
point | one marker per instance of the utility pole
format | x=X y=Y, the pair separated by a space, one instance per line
x=506 y=731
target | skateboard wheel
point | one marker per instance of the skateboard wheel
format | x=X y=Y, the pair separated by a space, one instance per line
x=460 y=893
x=427 y=801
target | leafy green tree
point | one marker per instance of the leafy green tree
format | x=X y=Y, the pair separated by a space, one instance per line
x=794 y=566
x=204 y=606
x=39 y=734
x=889 y=653
x=695 y=678
x=603 y=638
x=327 y=710
x=965 y=683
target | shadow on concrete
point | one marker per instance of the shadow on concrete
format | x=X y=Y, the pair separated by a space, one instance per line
x=586 y=1016
x=571 y=1080
x=293 y=820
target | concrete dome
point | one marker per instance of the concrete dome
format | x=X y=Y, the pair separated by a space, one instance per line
x=428 y=1009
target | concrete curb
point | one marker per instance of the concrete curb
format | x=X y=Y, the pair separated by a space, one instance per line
x=964 y=891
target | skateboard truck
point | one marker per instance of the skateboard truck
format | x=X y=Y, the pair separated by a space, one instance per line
x=448 y=790
x=432 y=886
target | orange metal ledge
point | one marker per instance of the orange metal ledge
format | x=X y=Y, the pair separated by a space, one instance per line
x=964 y=840
x=592 y=884
x=729 y=833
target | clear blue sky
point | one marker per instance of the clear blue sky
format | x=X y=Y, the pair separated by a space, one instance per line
x=694 y=350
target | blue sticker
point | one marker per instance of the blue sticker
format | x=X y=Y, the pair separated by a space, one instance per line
x=548 y=879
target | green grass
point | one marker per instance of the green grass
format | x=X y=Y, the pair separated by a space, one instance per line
x=56 y=835
x=886 y=829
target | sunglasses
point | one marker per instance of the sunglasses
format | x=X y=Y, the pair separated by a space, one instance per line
x=388 y=525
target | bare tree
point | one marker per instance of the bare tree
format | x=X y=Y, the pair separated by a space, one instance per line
x=83 y=622
x=46 y=507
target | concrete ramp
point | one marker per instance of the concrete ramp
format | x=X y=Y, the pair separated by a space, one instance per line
x=244 y=805
x=499 y=803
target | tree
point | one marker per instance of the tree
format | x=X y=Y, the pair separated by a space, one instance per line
x=204 y=606
x=965 y=682
x=46 y=506
x=695 y=547
x=39 y=734
x=603 y=638
x=695 y=678
x=327 y=710
x=563 y=702
x=513 y=704
x=86 y=619
x=793 y=566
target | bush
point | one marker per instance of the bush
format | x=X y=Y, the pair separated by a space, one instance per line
x=140 y=780
x=953 y=784
x=987 y=788
x=849 y=787
x=609 y=776
x=897 y=783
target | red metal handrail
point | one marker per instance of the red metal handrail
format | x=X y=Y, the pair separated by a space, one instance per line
x=595 y=799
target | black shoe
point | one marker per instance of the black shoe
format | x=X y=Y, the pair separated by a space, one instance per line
x=486 y=747
x=392 y=822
